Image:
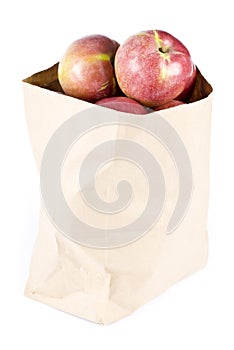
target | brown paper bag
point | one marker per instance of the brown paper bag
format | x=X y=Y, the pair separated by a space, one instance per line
x=145 y=227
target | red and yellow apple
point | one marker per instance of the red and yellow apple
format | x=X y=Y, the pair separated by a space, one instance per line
x=86 y=70
x=153 y=67
x=122 y=104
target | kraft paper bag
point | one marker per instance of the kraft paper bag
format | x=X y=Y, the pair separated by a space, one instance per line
x=109 y=243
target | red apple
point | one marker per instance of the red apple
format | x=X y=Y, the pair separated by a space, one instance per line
x=86 y=70
x=153 y=67
x=170 y=104
x=122 y=104
x=186 y=94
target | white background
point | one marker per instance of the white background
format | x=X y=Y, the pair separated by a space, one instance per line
x=197 y=313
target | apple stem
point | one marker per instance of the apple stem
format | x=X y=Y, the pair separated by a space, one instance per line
x=163 y=49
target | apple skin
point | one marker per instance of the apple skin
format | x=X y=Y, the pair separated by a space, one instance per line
x=153 y=67
x=186 y=94
x=122 y=104
x=170 y=104
x=86 y=70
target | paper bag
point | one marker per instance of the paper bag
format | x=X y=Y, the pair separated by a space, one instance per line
x=124 y=199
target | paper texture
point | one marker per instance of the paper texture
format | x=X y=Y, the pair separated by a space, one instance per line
x=105 y=285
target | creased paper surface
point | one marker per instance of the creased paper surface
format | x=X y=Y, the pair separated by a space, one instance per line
x=105 y=285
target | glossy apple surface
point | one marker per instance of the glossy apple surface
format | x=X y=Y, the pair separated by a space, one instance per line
x=153 y=67
x=122 y=104
x=188 y=90
x=170 y=104
x=86 y=70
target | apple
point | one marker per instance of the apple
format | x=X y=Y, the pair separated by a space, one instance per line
x=187 y=92
x=153 y=67
x=86 y=70
x=170 y=104
x=122 y=104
